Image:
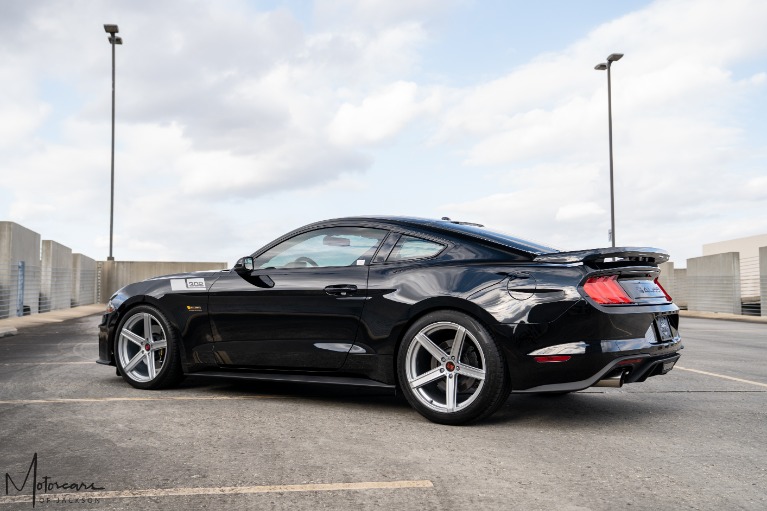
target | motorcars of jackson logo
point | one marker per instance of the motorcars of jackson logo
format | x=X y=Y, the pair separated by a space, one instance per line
x=46 y=489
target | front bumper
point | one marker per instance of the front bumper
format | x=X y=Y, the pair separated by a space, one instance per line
x=106 y=328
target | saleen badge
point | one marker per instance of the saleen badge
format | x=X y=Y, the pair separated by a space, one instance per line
x=184 y=284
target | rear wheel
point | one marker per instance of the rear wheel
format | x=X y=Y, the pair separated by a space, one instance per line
x=451 y=369
x=146 y=350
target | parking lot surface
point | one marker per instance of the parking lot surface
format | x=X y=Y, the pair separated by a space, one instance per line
x=692 y=439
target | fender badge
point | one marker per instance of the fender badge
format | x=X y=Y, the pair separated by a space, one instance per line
x=184 y=284
x=194 y=308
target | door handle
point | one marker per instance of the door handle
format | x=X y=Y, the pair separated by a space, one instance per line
x=341 y=290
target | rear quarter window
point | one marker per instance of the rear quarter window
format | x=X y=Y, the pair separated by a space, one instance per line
x=410 y=247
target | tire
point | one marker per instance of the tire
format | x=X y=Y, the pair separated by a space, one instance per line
x=447 y=385
x=148 y=360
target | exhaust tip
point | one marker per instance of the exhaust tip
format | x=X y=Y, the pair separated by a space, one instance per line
x=615 y=382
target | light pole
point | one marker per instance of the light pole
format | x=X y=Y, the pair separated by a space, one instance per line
x=601 y=67
x=113 y=39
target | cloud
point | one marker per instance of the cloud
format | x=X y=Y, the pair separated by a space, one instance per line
x=379 y=116
x=236 y=122
x=681 y=149
x=580 y=211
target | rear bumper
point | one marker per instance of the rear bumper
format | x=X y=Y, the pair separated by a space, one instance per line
x=588 y=344
x=638 y=372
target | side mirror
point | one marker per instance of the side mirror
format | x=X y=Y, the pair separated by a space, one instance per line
x=244 y=264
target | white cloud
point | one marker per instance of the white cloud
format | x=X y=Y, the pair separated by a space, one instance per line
x=240 y=122
x=379 y=116
x=680 y=147
x=580 y=211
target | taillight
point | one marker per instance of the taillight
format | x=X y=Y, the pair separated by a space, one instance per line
x=668 y=297
x=606 y=290
x=552 y=358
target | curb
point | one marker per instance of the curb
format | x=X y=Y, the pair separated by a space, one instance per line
x=9 y=326
x=723 y=316
x=7 y=331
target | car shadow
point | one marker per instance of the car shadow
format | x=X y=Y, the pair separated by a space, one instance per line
x=580 y=409
x=575 y=410
x=317 y=392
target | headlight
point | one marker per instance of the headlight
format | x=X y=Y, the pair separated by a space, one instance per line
x=110 y=307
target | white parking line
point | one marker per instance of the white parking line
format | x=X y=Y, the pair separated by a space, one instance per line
x=225 y=490
x=43 y=363
x=112 y=399
x=723 y=376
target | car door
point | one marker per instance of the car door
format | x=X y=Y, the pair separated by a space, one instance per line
x=300 y=306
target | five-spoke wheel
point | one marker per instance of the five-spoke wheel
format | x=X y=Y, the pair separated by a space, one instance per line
x=450 y=368
x=145 y=349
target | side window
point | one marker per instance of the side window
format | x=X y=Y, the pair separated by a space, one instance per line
x=335 y=246
x=409 y=247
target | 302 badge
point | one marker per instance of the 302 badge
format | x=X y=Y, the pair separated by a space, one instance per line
x=197 y=284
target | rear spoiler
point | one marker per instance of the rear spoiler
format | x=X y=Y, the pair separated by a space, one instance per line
x=638 y=254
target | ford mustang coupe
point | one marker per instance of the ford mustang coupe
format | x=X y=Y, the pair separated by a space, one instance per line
x=453 y=315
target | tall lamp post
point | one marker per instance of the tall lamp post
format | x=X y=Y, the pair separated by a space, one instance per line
x=613 y=57
x=113 y=39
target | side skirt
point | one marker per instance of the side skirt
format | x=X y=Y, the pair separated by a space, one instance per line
x=295 y=378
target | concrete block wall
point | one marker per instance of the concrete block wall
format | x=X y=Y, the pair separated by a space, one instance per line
x=713 y=283
x=680 y=287
x=84 y=280
x=763 y=278
x=18 y=244
x=666 y=278
x=56 y=277
x=116 y=274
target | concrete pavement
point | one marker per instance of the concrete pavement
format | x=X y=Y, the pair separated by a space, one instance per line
x=692 y=439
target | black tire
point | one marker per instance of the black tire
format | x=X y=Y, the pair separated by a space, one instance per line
x=477 y=376
x=135 y=349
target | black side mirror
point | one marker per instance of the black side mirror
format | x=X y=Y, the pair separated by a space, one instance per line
x=244 y=264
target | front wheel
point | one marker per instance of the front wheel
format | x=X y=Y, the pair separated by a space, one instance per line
x=451 y=370
x=146 y=350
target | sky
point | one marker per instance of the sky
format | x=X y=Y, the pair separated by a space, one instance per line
x=237 y=121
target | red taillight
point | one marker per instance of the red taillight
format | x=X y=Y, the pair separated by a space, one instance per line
x=668 y=297
x=552 y=358
x=606 y=290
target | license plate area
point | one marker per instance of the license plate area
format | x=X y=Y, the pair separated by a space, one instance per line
x=664 y=329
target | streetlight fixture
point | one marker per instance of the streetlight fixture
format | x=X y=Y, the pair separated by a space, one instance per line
x=613 y=57
x=113 y=39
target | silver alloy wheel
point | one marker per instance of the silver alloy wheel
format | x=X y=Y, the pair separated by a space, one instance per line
x=445 y=367
x=142 y=347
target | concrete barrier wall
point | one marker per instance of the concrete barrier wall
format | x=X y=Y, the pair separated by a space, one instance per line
x=680 y=287
x=666 y=278
x=18 y=244
x=39 y=276
x=56 y=277
x=763 y=278
x=713 y=283
x=84 y=280
x=116 y=274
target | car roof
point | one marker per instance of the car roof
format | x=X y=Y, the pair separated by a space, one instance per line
x=471 y=230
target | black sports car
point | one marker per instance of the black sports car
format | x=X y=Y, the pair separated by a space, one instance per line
x=454 y=315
